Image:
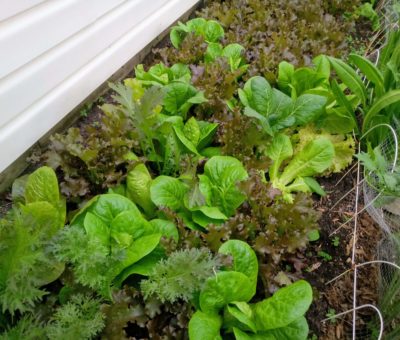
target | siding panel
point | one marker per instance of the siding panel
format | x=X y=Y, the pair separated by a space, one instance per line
x=29 y=34
x=11 y=8
x=42 y=74
x=27 y=126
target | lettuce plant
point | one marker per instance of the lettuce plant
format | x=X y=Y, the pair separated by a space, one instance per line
x=108 y=240
x=160 y=74
x=269 y=35
x=232 y=52
x=224 y=303
x=211 y=199
x=313 y=159
x=274 y=110
x=344 y=146
x=211 y=30
x=26 y=234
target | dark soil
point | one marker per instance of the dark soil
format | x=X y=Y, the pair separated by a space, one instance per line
x=337 y=296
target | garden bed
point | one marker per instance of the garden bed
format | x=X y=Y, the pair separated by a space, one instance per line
x=183 y=188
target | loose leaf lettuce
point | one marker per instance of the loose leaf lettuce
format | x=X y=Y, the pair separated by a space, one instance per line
x=316 y=156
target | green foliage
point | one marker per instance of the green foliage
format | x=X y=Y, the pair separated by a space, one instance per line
x=275 y=110
x=138 y=188
x=79 y=318
x=26 y=234
x=158 y=123
x=337 y=116
x=380 y=174
x=160 y=74
x=180 y=276
x=344 y=146
x=106 y=242
x=210 y=30
x=228 y=293
x=211 y=198
x=218 y=183
x=366 y=10
x=27 y=328
x=380 y=97
x=316 y=157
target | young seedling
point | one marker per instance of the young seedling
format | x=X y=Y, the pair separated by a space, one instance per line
x=325 y=256
x=336 y=241
x=331 y=314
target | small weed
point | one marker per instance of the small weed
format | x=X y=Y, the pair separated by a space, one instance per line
x=325 y=256
x=86 y=109
x=331 y=314
x=336 y=241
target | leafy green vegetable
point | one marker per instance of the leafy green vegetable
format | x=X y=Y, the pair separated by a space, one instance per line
x=233 y=53
x=210 y=200
x=274 y=109
x=224 y=288
x=79 y=318
x=316 y=156
x=105 y=239
x=180 y=97
x=205 y=326
x=218 y=184
x=244 y=259
x=367 y=10
x=160 y=74
x=211 y=30
x=280 y=315
x=26 y=235
x=344 y=146
x=168 y=192
x=284 y=307
x=138 y=188
x=180 y=276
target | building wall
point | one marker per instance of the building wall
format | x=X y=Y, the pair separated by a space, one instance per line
x=54 y=53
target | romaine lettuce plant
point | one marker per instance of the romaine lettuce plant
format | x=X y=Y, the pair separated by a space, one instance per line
x=211 y=30
x=160 y=74
x=224 y=303
x=211 y=199
x=108 y=240
x=232 y=52
x=26 y=234
x=275 y=110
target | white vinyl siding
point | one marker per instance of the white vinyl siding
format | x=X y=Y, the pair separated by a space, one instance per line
x=54 y=53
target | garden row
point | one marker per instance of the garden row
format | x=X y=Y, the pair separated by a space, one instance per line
x=180 y=204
